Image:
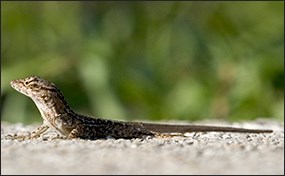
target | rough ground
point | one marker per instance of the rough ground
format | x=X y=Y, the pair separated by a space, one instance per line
x=196 y=153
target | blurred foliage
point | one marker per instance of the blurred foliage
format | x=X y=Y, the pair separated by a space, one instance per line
x=147 y=60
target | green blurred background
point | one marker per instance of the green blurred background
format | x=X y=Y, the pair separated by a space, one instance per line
x=147 y=60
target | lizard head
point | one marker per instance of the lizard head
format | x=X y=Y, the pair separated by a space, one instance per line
x=33 y=86
x=44 y=93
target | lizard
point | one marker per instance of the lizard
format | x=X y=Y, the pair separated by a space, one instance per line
x=57 y=115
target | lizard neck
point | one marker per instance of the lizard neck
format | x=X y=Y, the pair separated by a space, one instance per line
x=51 y=105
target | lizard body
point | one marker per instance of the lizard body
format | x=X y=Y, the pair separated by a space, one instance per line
x=57 y=114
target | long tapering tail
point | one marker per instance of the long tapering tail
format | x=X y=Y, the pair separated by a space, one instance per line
x=169 y=128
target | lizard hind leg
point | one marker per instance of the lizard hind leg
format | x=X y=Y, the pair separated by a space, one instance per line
x=167 y=135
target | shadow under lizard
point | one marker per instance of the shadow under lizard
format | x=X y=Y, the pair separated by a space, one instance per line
x=57 y=114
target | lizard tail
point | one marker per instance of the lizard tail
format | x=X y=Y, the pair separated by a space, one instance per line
x=168 y=128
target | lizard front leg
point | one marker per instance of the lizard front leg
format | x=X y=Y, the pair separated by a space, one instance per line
x=81 y=132
x=73 y=134
x=34 y=134
x=40 y=130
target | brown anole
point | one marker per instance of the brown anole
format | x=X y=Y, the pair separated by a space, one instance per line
x=58 y=115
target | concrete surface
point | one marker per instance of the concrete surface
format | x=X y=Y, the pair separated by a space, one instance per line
x=195 y=153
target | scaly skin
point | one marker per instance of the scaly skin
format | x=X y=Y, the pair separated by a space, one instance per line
x=58 y=115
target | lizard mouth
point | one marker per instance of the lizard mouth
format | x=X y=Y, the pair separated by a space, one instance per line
x=16 y=84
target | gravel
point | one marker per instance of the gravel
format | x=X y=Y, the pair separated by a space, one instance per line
x=194 y=153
